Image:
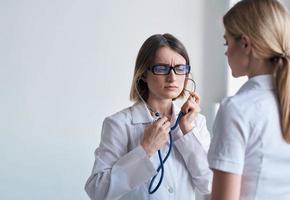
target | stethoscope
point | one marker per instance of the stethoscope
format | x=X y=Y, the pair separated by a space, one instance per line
x=160 y=168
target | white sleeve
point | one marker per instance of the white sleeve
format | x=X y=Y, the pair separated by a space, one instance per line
x=117 y=171
x=193 y=148
x=227 y=149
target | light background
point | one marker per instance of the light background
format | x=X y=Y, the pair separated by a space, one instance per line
x=67 y=64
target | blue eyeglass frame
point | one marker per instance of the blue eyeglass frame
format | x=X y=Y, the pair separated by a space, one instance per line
x=170 y=68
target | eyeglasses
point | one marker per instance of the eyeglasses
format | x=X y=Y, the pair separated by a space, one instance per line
x=163 y=69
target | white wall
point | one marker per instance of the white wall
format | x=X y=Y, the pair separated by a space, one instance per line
x=287 y=3
x=66 y=64
x=214 y=69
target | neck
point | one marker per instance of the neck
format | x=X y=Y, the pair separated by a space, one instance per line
x=259 y=67
x=161 y=106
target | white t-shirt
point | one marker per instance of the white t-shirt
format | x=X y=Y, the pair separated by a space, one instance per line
x=247 y=140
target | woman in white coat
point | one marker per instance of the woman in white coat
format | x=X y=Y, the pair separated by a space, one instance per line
x=127 y=158
x=250 y=149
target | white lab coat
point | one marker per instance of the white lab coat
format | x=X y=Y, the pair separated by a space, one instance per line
x=122 y=169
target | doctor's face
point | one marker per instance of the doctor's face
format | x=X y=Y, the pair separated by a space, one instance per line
x=162 y=87
x=236 y=57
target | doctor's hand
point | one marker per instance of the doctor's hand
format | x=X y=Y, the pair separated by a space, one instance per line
x=155 y=135
x=190 y=109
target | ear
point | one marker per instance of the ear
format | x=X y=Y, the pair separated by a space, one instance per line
x=246 y=44
x=144 y=77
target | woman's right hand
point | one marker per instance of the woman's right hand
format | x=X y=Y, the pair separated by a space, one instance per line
x=155 y=135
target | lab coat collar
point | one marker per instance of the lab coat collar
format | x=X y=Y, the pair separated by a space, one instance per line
x=141 y=114
x=262 y=82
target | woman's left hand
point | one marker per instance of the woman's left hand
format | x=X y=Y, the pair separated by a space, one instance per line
x=190 y=109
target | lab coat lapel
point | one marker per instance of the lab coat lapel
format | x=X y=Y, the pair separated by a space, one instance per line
x=140 y=114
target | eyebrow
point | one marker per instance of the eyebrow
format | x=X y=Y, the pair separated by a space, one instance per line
x=169 y=64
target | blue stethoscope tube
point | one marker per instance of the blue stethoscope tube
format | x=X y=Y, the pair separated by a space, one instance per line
x=161 y=165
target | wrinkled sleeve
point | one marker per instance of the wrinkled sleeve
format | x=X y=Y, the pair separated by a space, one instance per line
x=227 y=149
x=117 y=171
x=193 y=148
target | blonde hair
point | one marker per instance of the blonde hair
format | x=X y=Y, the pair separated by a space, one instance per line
x=267 y=24
x=146 y=58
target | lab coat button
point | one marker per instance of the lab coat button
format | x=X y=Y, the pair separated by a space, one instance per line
x=170 y=189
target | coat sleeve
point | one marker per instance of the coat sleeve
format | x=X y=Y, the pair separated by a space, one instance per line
x=193 y=147
x=117 y=171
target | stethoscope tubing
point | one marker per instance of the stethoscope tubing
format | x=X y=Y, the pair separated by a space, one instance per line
x=162 y=161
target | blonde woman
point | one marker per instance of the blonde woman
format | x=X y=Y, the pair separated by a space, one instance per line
x=250 y=150
x=127 y=158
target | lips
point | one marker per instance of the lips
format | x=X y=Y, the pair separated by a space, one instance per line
x=171 y=87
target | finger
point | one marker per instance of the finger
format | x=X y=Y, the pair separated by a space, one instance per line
x=190 y=107
x=187 y=106
x=196 y=108
x=165 y=128
x=196 y=98
x=191 y=94
x=166 y=125
x=161 y=121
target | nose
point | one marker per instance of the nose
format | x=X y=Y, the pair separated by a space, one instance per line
x=171 y=76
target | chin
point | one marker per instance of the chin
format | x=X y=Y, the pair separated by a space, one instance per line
x=169 y=97
x=172 y=96
x=238 y=75
x=235 y=75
